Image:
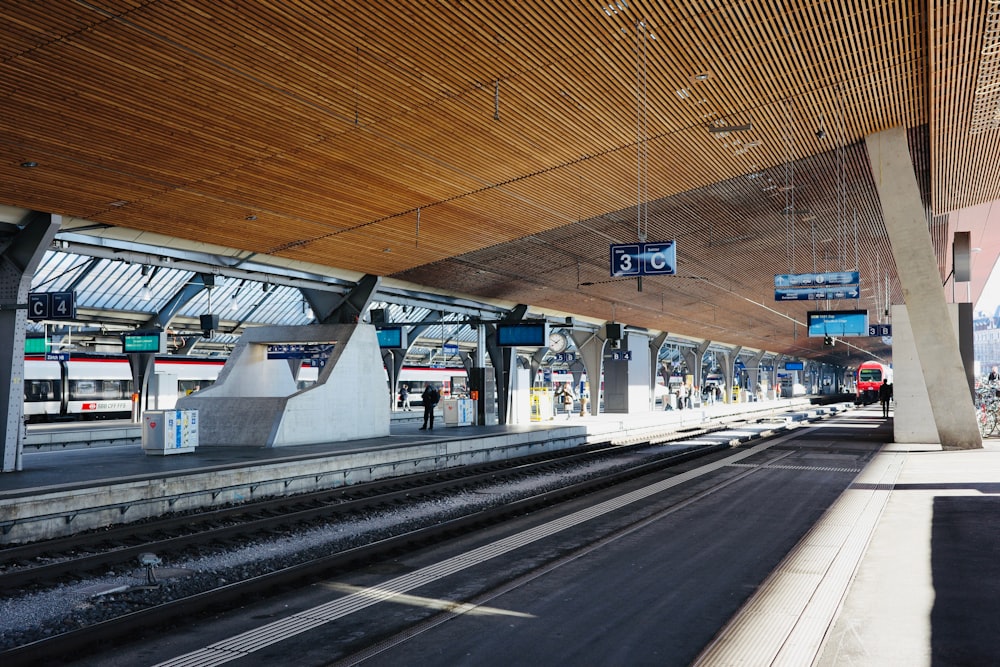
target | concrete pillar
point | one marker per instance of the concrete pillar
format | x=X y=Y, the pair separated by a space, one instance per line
x=694 y=357
x=655 y=344
x=626 y=382
x=591 y=349
x=729 y=370
x=934 y=338
x=21 y=258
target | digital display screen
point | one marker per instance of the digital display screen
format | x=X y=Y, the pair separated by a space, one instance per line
x=392 y=337
x=525 y=334
x=156 y=342
x=794 y=365
x=838 y=323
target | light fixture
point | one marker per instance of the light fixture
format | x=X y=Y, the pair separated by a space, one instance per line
x=29 y=164
x=148 y=273
x=720 y=129
x=234 y=305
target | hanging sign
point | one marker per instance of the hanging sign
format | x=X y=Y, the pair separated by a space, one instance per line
x=644 y=259
x=817 y=286
x=818 y=293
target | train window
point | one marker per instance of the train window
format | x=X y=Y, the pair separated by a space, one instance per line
x=870 y=375
x=40 y=390
x=116 y=389
x=81 y=390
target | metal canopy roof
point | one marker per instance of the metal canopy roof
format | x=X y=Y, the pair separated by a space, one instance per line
x=494 y=150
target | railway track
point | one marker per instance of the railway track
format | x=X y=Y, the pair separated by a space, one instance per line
x=43 y=565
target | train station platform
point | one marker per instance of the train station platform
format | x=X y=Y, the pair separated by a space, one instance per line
x=80 y=477
x=901 y=570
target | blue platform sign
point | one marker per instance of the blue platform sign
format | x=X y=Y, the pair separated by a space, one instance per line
x=817 y=279
x=818 y=293
x=300 y=351
x=878 y=330
x=644 y=259
x=52 y=305
x=626 y=259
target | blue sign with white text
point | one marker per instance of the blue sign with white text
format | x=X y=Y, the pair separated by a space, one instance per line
x=817 y=279
x=644 y=259
x=818 y=293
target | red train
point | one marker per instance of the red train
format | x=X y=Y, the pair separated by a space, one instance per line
x=868 y=378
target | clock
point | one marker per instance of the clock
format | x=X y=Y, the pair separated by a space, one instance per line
x=557 y=342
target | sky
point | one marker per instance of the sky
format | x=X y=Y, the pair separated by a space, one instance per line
x=990 y=298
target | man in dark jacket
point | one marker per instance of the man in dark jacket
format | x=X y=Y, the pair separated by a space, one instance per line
x=884 y=394
x=430 y=399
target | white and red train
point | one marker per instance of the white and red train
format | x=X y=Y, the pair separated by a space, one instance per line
x=868 y=378
x=94 y=386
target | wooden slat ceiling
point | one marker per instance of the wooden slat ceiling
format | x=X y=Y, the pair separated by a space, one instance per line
x=497 y=148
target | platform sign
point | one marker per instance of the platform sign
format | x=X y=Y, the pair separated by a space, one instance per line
x=319 y=351
x=879 y=330
x=621 y=355
x=52 y=305
x=644 y=259
x=450 y=348
x=818 y=293
x=57 y=356
x=659 y=259
x=817 y=279
x=794 y=365
x=626 y=259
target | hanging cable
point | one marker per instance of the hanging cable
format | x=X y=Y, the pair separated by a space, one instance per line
x=641 y=128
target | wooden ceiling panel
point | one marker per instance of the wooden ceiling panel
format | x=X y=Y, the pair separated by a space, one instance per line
x=526 y=135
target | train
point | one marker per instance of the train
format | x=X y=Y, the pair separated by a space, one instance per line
x=97 y=386
x=868 y=378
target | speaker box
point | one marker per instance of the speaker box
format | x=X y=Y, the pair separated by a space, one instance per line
x=209 y=322
x=613 y=331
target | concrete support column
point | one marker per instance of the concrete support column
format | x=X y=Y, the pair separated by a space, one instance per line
x=654 y=365
x=626 y=382
x=934 y=339
x=694 y=358
x=729 y=370
x=754 y=368
x=591 y=349
x=17 y=267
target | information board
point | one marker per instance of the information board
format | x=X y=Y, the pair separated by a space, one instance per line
x=300 y=351
x=145 y=341
x=838 y=323
x=391 y=337
x=526 y=334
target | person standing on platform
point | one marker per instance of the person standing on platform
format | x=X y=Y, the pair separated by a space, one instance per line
x=404 y=398
x=884 y=394
x=430 y=399
x=584 y=398
x=565 y=396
